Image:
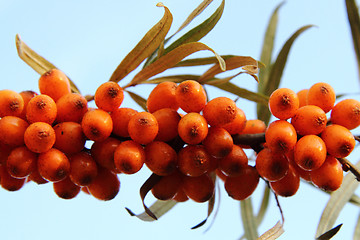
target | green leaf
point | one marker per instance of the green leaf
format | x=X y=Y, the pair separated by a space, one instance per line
x=158 y=208
x=138 y=99
x=199 y=31
x=201 y=61
x=244 y=93
x=248 y=220
x=276 y=72
x=35 y=61
x=329 y=234
x=357 y=229
x=336 y=203
x=267 y=48
x=170 y=59
x=147 y=45
x=248 y=64
x=196 y=12
x=354 y=21
x=273 y=233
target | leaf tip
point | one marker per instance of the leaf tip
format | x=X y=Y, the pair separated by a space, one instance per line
x=160 y=4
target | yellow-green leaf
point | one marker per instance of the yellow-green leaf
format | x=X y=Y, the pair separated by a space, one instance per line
x=199 y=31
x=248 y=219
x=196 y=12
x=336 y=203
x=172 y=78
x=354 y=21
x=147 y=45
x=170 y=59
x=244 y=93
x=273 y=233
x=201 y=61
x=138 y=99
x=35 y=61
x=248 y=64
x=158 y=208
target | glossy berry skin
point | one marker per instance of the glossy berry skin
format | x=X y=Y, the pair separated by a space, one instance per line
x=309 y=119
x=346 y=113
x=238 y=124
x=83 y=169
x=280 y=136
x=242 y=186
x=329 y=176
x=129 y=157
x=288 y=185
x=21 y=162
x=41 y=108
x=339 y=140
x=143 y=127
x=199 y=189
x=193 y=128
x=271 y=166
x=167 y=187
x=39 y=137
x=220 y=111
x=105 y=186
x=162 y=96
x=234 y=163
x=109 y=96
x=218 y=142
x=71 y=108
x=97 y=125
x=160 y=158
x=12 y=130
x=322 y=95
x=310 y=152
x=66 y=189
x=283 y=103
x=54 y=83
x=11 y=103
x=191 y=96
x=53 y=165
x=193 y=160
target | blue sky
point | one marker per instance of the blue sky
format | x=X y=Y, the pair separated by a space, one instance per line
x=88 y=39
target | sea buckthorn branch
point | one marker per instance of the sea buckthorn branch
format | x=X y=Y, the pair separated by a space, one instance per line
x=348 y=166
x=253 y=140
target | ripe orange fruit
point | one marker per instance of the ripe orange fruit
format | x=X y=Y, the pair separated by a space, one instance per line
x=53 y=165
x=66 y=189
x=143 y=127
x=129 y=157
x=162 y=96
x=288 y=185
x=271 y=166
x=11 y=103
x=12 y=130
x=309 y=119
x=346 y=113
x=41 y=108
x=121 y=118
x=21 y=162
x=97 y=125
x=310 y=152
x=280 y=136
x=193 y=128
x=83 y=169
x=218 y=142
x=160 y=158
x=220 y=111
x=339 y=140
x=109 y=96
x=105 y=186
x=238 y=124
x=168 y=120
x=71 y=108
x=322 y=95
x=39 y=137
x=193 y=160
x=103 y=153
x=234 y=163
x=200 y=188
x=54 y=83
x=191 y=96
x=283 y=103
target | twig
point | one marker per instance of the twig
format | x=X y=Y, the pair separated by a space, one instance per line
x=348 y=166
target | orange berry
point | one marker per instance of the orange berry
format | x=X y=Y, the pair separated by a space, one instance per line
x=254 y=126
x=322 y=95
x=234 y=163
x=168 y=120
x=41 y=108
x=66 y=189
x=10 y=183
x=11 y=103
x=167 y=187
x=121 y=118
x=220 y=111
x=346 y=113
x=53 y=165
x=71 y=108
x=39 y=137
x=238 y=124
x=283 y=103
x=162 y=96
x=21 y=162
x=129 y=157
x=54 y=83
x=288 y=185
x=26 y=95
x=143 y=127
x=339 y=140
x=329 y=176
x=280 y=136
x=105 y=186
x=193 y=160
x=83 y=169
x=200 y=188
x=161 y=159
x=304 y=174
x=109 y=96
x=302 y=95
x=103 y=153
x=310 y=152
x=218 y=142
x=309 y=120
x=5 y=151
x=36 y=177
x=242 y=186
x=69 y=137
x=191 y=96
x=12 y=130
x=193 y=128
x=97 y=125
x=180 y=195
x=271 y=166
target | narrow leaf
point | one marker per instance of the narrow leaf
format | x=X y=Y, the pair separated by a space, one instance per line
x=145 y=188
x=357 y=230
x=264 y=206
x=158 y=208
x=172 y=78
x=196 y=12
x=248 y=220
x=267 y=48
x=138 y=99
x=354 y=21
x=276 y=72
x=199 y=31
x=35 y=61
x=170 y=59
x=329 y=234
x=273 y=233
x=201 y=61
x=244 y=93
x=337 y=202
x=247 y=63
x=147 y=45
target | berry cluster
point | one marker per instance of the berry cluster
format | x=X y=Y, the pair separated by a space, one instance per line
x=45 y=138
